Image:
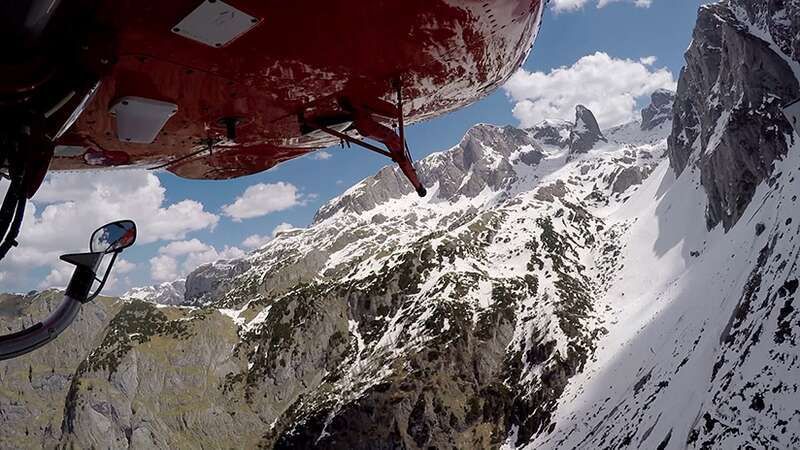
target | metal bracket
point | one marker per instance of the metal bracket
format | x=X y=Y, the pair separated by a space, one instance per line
x=395 y=141
x=351 y=140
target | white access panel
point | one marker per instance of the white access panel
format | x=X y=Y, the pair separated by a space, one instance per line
x=139 y=120
x=215 y=23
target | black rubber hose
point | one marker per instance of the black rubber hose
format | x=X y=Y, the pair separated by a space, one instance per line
x=30 y=339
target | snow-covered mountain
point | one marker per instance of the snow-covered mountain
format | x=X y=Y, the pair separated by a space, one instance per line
x=561 y=287
x=169 y=293
x=702 y=351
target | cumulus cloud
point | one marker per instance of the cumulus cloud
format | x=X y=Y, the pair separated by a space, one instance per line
x=322 y=155
x=258 y=240
x=176 y=259
x=574 y=5
x=610 y=87
x=262 y=199
x=123 y=266
x=58 y=277
x=164 y=268
x=70 y=206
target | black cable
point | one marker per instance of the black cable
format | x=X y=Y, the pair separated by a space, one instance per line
x=105 y=278
x=11 y=238
x=13 y=208
x=7 y=210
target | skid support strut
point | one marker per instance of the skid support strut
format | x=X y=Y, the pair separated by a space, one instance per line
x=366 y=125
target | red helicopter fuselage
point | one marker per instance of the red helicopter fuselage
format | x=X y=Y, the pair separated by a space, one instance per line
x=298 y=65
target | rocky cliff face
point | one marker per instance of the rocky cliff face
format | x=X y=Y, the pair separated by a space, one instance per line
x=552 y=132
x=586 y=132
x=33 y=387
x=660 y=109
x=728 y=124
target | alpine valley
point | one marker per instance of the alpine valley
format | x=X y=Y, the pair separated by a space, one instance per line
x=562 y=286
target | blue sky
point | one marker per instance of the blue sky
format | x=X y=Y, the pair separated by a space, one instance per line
x=620 y=30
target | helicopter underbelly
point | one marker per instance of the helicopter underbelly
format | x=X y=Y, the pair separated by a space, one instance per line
x=295 y=60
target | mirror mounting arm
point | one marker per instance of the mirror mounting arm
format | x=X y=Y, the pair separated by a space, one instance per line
x=112 y=239
x=102 y=284
x=31 y=338
x=80 y=284
x=85 y=274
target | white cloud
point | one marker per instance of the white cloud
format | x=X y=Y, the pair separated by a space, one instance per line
x=574 y=5
x=180 y=248
x=123 y=266
x=322 y=155
x=58 y=277
x=648 y=60
x=176 y=259
x=257 y=240
x=608 y=86
x=211 y=254
x=637 y=3
x=164 y=268
x=262 y=199
x=70 y=206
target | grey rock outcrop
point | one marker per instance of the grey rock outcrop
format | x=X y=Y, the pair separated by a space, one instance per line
x=627 y=177
x=659 y=111
x=727 y=119
x=586 y=132
x=209 y=280
x=34 y=385
x=552 y=132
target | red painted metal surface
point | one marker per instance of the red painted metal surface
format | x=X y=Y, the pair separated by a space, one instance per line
x=299 y=61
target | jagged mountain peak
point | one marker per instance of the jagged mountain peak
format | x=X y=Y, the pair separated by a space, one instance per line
x=586 y=132
x=659 y=110
x=167 y=293
x=483 y=158
x=490 y=165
